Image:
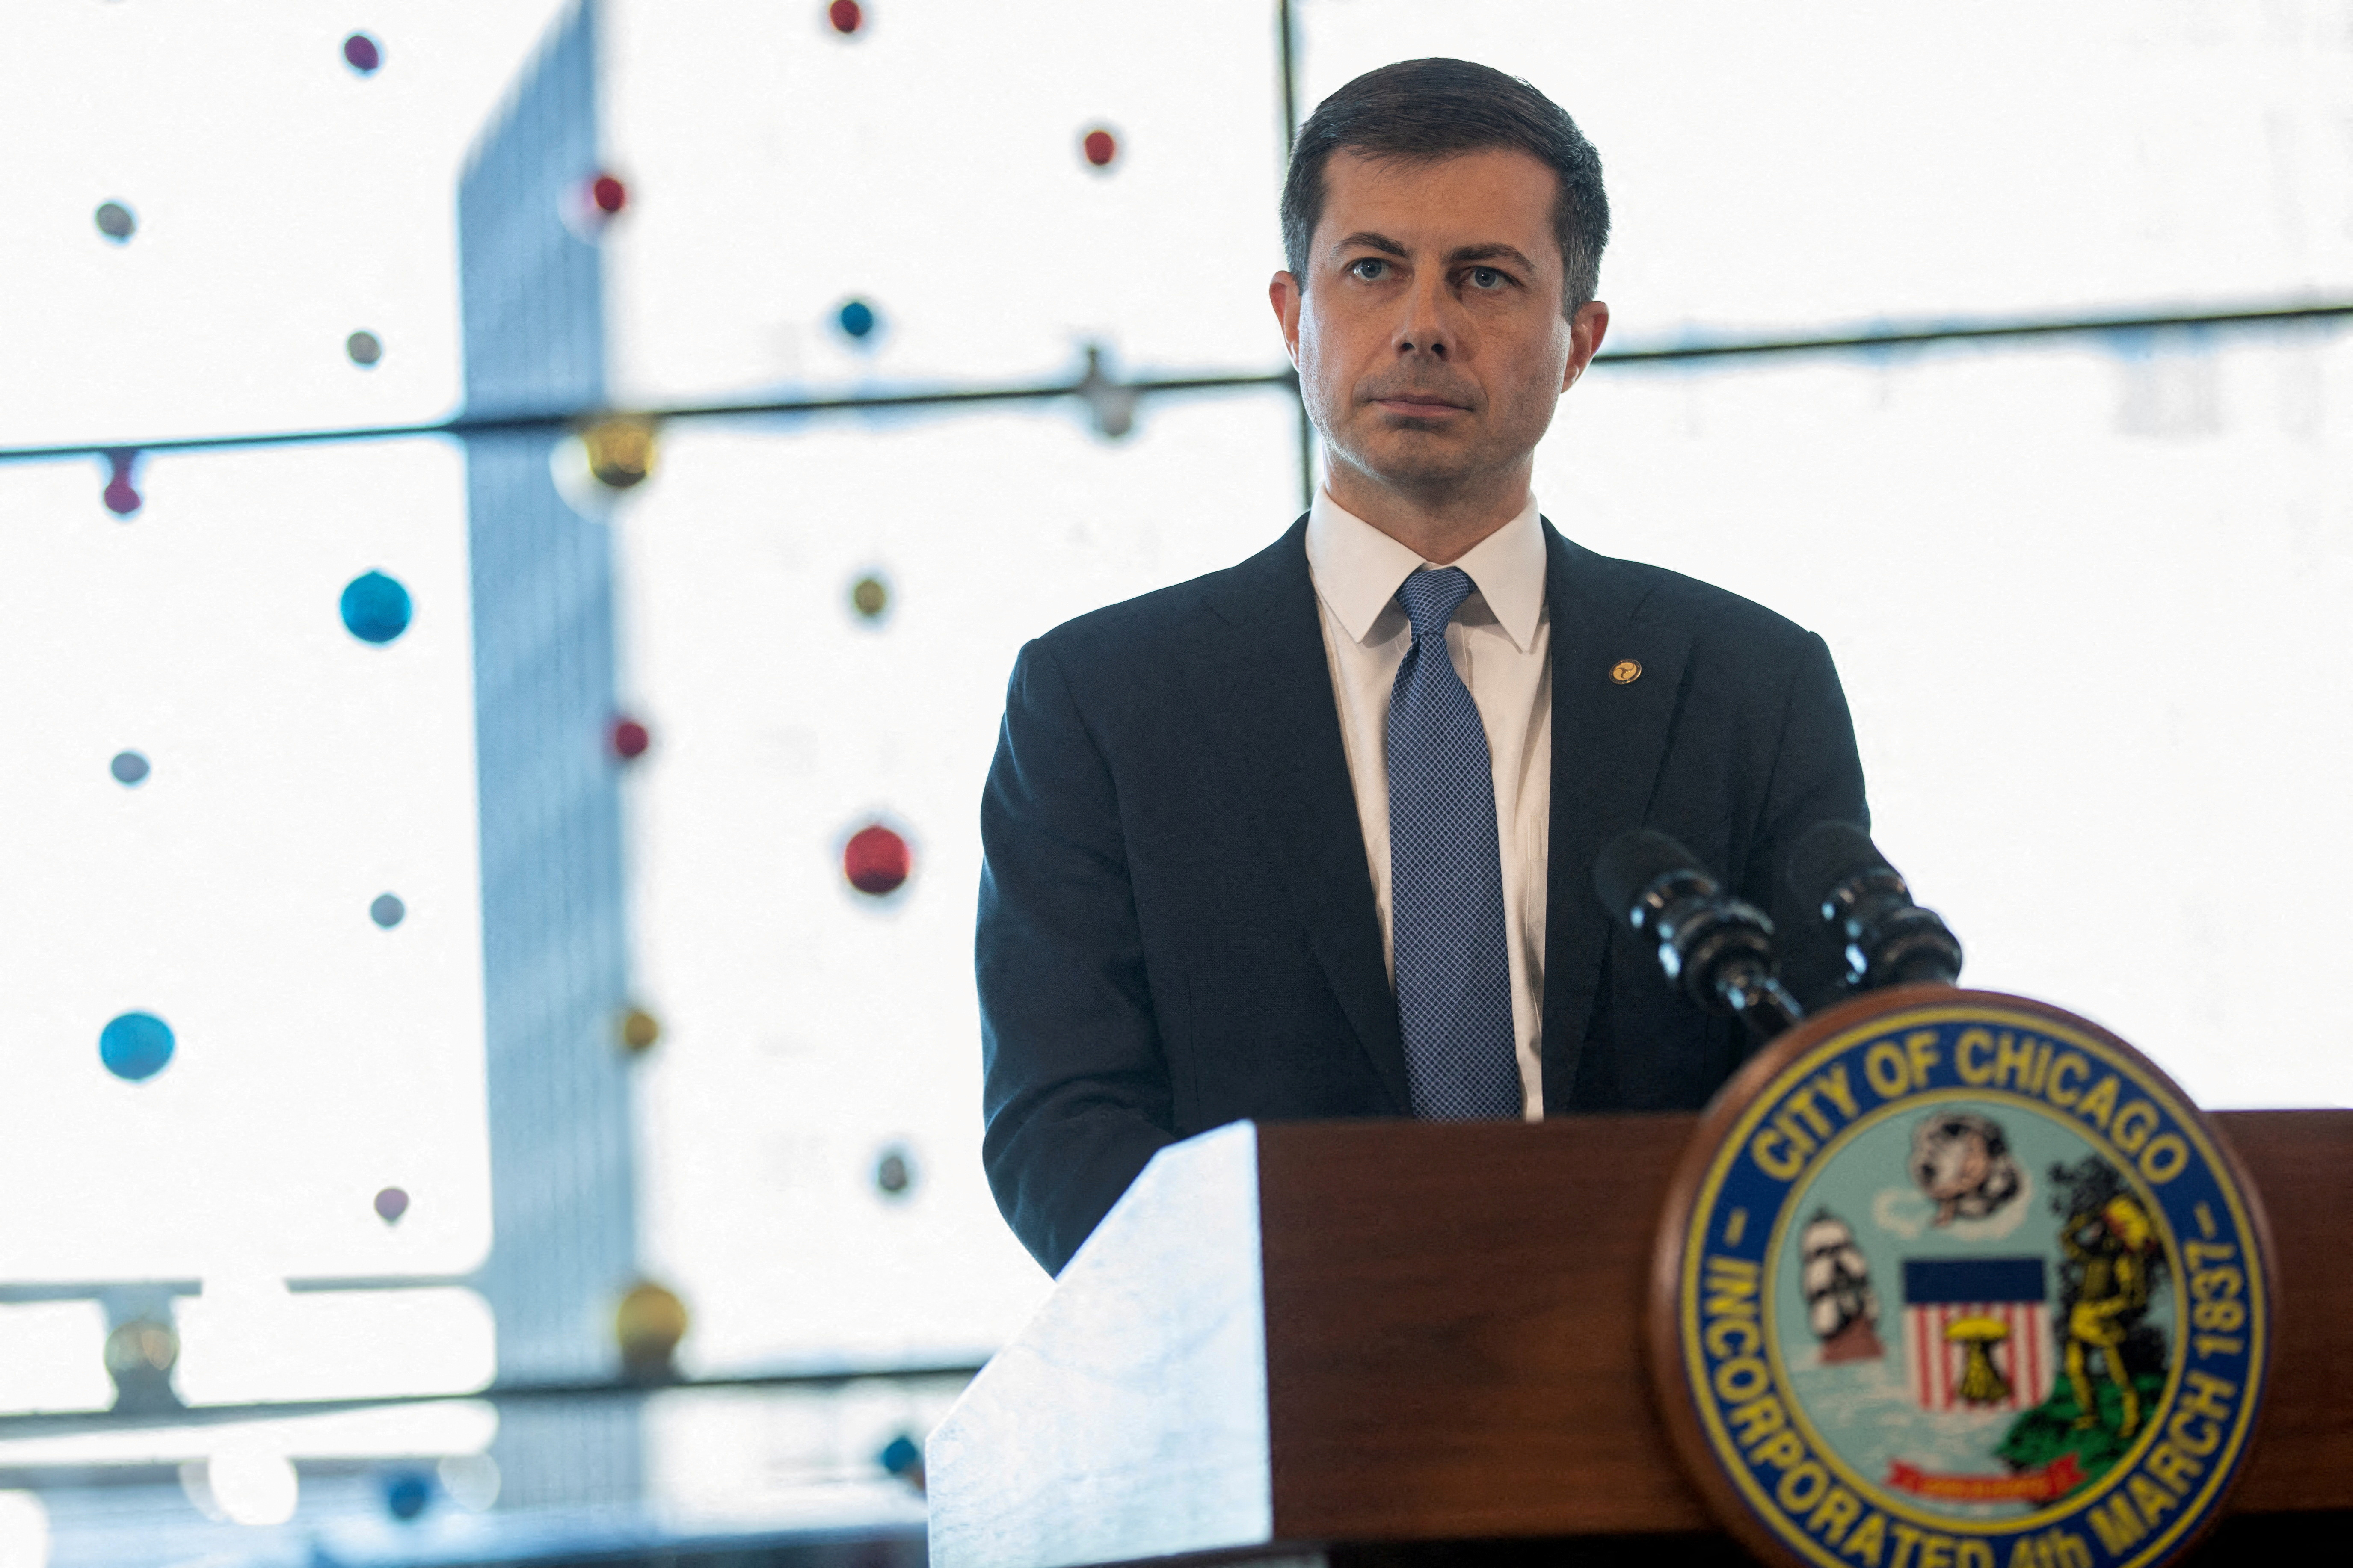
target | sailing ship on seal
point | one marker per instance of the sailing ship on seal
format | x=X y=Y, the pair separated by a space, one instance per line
x=1842 y=1307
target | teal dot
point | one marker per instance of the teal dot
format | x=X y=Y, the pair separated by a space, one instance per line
x=857 y=318
x=136 y=1045
x=377 y=609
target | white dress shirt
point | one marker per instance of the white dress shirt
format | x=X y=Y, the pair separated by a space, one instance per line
x=1500 y=642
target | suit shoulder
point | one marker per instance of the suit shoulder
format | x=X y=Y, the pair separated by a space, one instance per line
x=1147 y=624
x=1709 y=612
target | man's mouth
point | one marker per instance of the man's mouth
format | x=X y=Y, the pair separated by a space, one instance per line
x=1420 y=404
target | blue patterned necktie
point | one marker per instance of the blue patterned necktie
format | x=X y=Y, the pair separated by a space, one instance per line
x=1446 y=875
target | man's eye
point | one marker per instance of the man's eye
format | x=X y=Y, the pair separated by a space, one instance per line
x=1369 y=268
x=1486 y=278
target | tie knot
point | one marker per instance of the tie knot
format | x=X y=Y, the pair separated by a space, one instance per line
x=1430 y=597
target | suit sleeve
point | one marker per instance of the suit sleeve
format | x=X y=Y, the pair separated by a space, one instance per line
x=1817 y=776
x=1076 y=1087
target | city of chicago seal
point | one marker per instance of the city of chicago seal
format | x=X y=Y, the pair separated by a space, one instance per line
x=1951 y=1280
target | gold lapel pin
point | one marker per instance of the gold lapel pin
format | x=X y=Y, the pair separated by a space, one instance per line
x=1626 y=672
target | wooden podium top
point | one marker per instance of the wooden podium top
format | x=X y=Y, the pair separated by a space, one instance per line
x=1413 y=1332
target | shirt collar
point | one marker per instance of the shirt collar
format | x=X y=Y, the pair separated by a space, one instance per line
x=1356 y=569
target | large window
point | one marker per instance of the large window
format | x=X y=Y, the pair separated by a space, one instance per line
x=606 y=921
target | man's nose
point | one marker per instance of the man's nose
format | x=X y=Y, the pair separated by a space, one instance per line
x=1431 y=323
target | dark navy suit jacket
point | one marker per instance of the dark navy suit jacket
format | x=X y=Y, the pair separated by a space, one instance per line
x=1177 y=921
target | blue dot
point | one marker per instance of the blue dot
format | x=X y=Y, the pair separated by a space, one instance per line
x=136 y=1045
x=375 y=607
x=901 y=1455
x=387 y=911
x=129 y=768
x=406 y=1495
x=857 y=318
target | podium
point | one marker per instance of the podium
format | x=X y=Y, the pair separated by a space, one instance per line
x=1402 y=1342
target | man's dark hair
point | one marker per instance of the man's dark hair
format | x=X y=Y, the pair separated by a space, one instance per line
x=1417 y=111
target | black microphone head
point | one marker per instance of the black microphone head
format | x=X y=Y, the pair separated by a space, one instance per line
x=1630 y=862
x=1828 y=854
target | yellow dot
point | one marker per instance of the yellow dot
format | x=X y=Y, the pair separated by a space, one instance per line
x=620 y=452
x=650 y=1324
x=640 y=1029
x=1625 y=672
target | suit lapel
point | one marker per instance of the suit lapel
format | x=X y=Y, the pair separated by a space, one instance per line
x=1610 y=737
x=1267 y=680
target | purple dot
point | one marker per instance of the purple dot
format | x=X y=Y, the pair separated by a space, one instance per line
x=390 y=1205
x=363 y=54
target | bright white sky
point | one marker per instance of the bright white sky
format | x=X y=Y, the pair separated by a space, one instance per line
x=2084 y=597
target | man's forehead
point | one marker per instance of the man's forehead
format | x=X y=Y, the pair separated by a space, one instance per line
x=1485 y=196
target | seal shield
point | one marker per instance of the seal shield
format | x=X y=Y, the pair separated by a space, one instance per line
x=1953 y=1279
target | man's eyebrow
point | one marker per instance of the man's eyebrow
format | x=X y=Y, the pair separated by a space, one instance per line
x=1491 y=252
x=1495 y=250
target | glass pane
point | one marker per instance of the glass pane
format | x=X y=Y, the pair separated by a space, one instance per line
x=1782 y=167
x=2088 y=604
x=932 y=166
x=279 y=201
x=812 y=1032
x=230 y=814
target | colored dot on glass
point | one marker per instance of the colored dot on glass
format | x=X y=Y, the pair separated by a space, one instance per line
x=116 y=221
x=121 y=496
x=390 y=1205
x=136 y=1045
x=387 y=911
x=631 y=740
x=894 y=1174
x=869 y=596
x=876 y=860
x=903 y=1456
x=857 y=318
x=363 y=54
x=129 y=768
x=1100 y=147
x=620 y=452
x=408 y=1495
x=365 y=349
x=375 y=607
x=607 y=194
x=640 y=1030
x=846 y=15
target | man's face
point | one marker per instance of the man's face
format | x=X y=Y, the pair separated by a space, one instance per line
x=1429 y=333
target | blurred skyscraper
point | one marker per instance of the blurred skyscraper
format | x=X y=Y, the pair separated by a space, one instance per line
x=555 y=952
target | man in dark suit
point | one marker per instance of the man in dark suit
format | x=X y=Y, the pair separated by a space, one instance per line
x=1313 y=837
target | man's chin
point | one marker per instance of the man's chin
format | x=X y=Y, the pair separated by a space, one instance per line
x=1413 y=464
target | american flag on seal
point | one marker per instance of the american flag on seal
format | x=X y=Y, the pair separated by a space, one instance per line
x=1976 y=1332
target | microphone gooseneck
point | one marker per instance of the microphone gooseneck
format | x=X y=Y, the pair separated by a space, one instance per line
x=1715 y=948
x=1837 y=871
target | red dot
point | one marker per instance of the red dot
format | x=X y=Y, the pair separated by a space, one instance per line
x=1101 y=147
x=121 y=496
x=630 y=739
x=876 y=860
x=608 y=194
x=845 y=16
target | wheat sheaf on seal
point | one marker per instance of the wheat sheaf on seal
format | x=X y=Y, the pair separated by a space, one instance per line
x=1952 y=1279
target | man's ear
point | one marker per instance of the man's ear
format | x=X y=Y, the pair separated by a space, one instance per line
x=1284 y=294
x=1586 y=330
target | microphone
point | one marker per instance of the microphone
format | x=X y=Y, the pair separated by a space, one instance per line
x=1715 y=948
x=1890 y=940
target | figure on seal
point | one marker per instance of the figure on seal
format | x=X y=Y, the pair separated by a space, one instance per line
x=2113 y=1246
